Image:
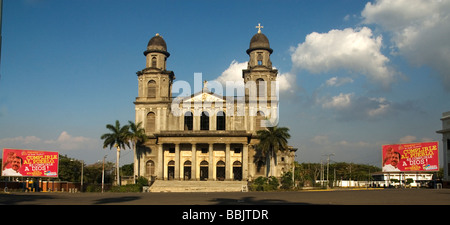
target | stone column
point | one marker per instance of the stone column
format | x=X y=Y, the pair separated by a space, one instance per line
x=244 y=161
x=228 y=165
x=211 y=174
x=177 y=161
x=160 y=164
x=194 y=163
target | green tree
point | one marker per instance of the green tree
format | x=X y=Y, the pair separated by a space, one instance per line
x=136 y=135
x=69 y=169
x=272 y=140
x=119 y=138
x=127 y=170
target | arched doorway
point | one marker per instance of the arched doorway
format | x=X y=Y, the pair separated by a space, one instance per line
x=204 y=170
x=171 y=170
x=237 y=170
x=220 y=170
x=187 y=170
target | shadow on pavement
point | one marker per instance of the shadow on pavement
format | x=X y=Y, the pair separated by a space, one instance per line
x=117 y=200
x=253 y=201
x=14 y=199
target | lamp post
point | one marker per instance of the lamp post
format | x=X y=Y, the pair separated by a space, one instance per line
x=82 y=166
x=103 y=174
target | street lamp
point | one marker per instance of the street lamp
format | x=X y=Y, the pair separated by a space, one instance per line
x=103 y=174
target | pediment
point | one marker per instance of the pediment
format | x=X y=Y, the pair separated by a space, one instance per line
x=204 y=97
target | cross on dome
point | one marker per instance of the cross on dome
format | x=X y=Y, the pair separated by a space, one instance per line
x=259 y=28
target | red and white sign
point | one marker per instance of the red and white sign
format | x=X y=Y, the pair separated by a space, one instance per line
x=411 y=157
x=29 y=163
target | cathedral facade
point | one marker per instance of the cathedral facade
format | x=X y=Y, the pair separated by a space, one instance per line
x=204 y=135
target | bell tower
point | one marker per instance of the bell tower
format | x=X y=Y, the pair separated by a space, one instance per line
x=259 y=72
x=155 y=81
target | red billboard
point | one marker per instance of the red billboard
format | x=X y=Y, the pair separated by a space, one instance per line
x=411 y=157
x=29 y=163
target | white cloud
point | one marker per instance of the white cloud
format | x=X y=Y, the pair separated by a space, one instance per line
x=343 y=149
x=337 y=81
x=408 y=139
x=381 y=107
x=354 y=50
x=233 y=73
x=351 y=107
x=64 y=142
x=419 y=29
x=320 y=140
x=339 y=102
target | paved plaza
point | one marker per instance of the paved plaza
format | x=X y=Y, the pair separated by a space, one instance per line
x=231 y=207
x=322 y=197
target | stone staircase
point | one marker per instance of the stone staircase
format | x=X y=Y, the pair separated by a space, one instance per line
x=198 y=186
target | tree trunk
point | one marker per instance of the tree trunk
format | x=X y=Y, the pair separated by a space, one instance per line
x=117 y=165
x=273 y=168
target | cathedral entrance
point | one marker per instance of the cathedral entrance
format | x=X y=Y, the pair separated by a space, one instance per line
x=220 y=170
x=237 y=170
x=187 y=170
x=171 y=170
x=204 y=170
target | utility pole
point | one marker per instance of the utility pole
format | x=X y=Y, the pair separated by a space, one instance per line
x=328 y=167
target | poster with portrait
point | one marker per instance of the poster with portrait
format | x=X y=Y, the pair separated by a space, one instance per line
x=410 y=157
x=29 y=163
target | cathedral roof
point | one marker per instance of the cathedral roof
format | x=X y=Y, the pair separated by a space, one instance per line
x=259 y=41
x=157 y=44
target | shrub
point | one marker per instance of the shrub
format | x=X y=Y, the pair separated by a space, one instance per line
x=286 y=181
x=128 y=188
x=264 y=184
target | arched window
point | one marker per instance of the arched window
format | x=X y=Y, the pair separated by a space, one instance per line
x=204 y=121
x=188 y=121
x=151 y=89
x=204 y=172
x=260 y=87
x=259 y=59
x=220 y=121
x=187 y=170
x=237 y=170
x=220 y=170
x=154 y=62
x=150 y=168
x=171 y=170
x=151 y=122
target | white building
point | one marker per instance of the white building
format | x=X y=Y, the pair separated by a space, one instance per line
x=446 y=143
x=384 y=179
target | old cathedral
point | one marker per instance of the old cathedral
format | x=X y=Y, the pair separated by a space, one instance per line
x=210 y=137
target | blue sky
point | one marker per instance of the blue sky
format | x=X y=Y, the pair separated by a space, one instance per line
x=355 y=74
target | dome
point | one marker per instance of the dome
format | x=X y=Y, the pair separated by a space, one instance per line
x=259 y=41
x=157 y=44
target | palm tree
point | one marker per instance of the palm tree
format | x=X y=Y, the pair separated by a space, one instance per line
x=119 y=138
x=272 y=140
x=137 y=136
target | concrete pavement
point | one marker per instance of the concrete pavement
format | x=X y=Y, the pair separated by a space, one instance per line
x=333 y=197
